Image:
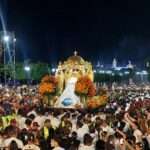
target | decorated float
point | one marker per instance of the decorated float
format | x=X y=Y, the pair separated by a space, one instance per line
x=72 y=86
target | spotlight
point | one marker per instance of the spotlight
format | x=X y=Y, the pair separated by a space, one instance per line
x=53 y=69
x=14 y=39
x=144 y=72
x=6 y=38
x=126 y=72
x=27 y=68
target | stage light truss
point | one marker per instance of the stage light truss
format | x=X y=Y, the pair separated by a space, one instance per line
x=8 y=54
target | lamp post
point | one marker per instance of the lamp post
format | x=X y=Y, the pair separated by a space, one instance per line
x=5 y=41
x=8 y=42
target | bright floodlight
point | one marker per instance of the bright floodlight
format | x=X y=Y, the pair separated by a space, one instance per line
x=53 y=69
x=27 y=68
x=6 y=38
x=109 y=72
x=138 y=73
x=94 y=71
x=14 y=39
x=144 y=72
x=127 y=72
x=101 y=71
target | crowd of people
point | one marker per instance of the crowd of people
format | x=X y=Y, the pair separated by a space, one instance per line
x=27 y=124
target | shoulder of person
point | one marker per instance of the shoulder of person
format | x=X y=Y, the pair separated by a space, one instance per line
x=31 y=147
x=58 y=148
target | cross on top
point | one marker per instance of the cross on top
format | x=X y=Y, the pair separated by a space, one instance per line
x=75 y=53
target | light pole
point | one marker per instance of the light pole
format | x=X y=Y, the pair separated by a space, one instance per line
x=8 y=41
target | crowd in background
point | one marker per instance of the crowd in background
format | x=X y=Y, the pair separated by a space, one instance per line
x=26 y=124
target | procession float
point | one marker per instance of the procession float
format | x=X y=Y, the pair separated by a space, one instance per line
x=72 y=86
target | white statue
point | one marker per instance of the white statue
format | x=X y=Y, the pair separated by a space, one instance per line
x=69 y=99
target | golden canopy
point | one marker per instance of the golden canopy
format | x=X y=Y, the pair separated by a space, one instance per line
x=74 y=66
x=75 y=59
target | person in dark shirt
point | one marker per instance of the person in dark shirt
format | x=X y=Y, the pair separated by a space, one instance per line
x=46 y=134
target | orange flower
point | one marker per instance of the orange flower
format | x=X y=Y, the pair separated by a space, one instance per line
x=45 y=78
x=49 y=85
x=85 y=86
x=91 y=91
x=97 y=101
x=48 y=78
x=93 y=103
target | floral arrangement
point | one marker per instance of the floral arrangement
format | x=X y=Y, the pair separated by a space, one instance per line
x=49 y=79
x=97 y=102
x=48 y=85
x=85 y=87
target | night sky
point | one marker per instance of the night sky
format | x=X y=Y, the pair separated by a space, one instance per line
x=50 y=30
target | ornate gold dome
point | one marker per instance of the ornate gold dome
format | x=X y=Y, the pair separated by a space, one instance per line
x=75 y=59
x=74 y=66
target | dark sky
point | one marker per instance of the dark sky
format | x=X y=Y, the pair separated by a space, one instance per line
x=50 y=30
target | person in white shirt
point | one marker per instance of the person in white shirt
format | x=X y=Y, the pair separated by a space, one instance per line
x=87 y=143
x=106 y=128
x=81 y=130
x=12 y=137
x=8 y=141
x=31 y=145
x=40 y=120
x=21 y=121
x=32 y=112
x=55 y=143
x=54 y=121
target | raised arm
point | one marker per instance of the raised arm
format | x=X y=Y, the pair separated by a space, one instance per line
x=131 y=118
x=131 y=123
x=129 y=146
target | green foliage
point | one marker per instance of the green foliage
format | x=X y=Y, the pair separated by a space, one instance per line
x=102 y=77
x=37 y=70
x=20 y=72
